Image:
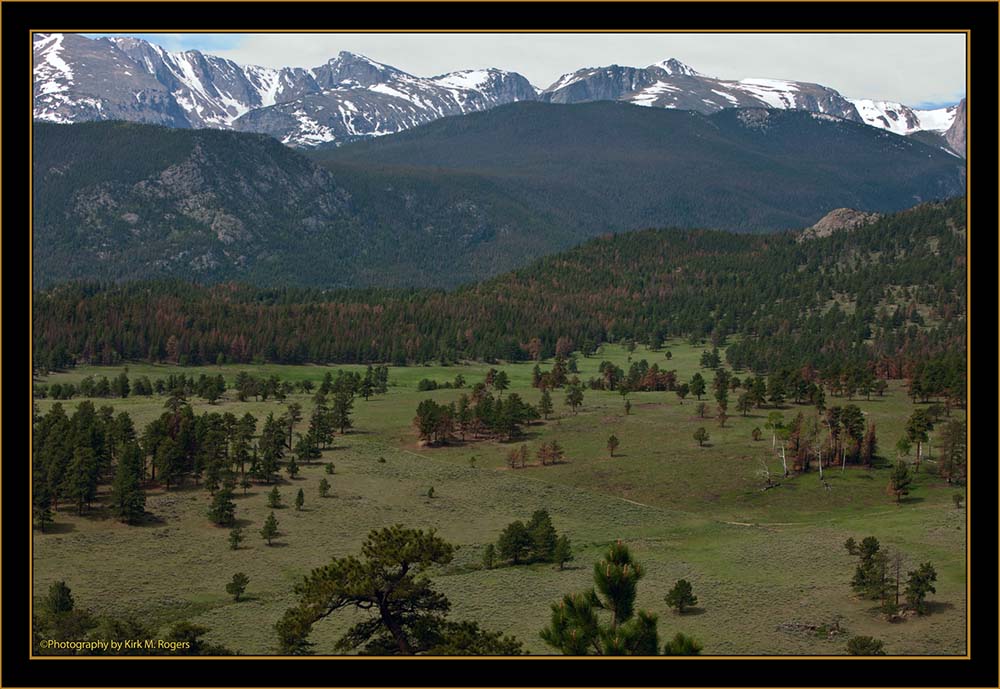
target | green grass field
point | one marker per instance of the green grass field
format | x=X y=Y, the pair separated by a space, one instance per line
x=757 y=559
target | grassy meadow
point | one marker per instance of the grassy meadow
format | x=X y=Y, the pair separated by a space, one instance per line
x=757 y=559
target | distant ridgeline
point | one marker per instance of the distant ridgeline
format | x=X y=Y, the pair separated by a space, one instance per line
x=481 y=194
x=887 y=296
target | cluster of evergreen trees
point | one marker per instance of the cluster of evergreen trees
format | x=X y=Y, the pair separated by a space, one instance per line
x=479 y=414
x=879 y=576
x=827 y=302
x=73 y=454
x=536 y=541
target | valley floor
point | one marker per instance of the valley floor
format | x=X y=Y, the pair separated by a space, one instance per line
x=757 y=559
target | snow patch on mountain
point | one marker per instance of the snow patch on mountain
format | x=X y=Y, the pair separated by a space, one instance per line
x=471 y=79
x=894 y=117
x=651 y=94
x=775 y=92
x=937 y=120
x=675 y=68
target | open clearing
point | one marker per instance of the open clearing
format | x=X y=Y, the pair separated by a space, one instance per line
x=756 y=559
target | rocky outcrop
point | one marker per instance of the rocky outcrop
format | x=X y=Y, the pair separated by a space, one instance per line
x=837 y=220
x=955 y=136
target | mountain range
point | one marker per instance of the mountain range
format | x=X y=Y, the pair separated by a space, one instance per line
x=452 y=201
x=351 y=97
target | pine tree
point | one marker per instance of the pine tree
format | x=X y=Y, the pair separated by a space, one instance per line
x=128 y=501
x=563 y=552
x=953 y=451
x=324 y=488
x=235 y=538
x=545 y=404
x=701 y=435
x=870 y=576
x=681 y=596
x=543 y=536
x=223 y=510
x=300 y=499
x=343 y=402
x=865 y=646
x=82 y=477
x=574 y=396
x=682 y=645
x=489 y=556
x=899 y=481
x=515 y=542
x=697 y=385
x=613 y=444
x=237 y=586
x=270 y=528
x=576 y=628
x=42 y=505
x=274 y=498
x=919 y=583
x=294 y=415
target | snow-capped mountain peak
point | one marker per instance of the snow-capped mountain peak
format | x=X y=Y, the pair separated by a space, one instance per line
x=675 y=67
x=894 y=117
x=352 y=96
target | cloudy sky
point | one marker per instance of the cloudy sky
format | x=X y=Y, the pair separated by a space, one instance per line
x=916 y=69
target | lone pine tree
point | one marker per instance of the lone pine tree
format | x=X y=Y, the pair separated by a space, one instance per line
x=406 y=615
x=681 y=596
x=576 y=628
x=237 y=586
x=270 y=528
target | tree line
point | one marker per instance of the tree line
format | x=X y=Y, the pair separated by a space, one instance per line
x=825 y=303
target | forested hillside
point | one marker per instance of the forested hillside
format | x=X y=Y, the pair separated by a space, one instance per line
x=887 y=297
x=609 y=166
x=459 y=200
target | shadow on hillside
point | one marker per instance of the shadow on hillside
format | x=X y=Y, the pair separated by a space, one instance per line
x=149 y=519
x=938 y=606
x=690 y=612
x=56 y=528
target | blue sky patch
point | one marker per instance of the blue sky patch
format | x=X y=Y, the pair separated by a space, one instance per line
x=176 y=42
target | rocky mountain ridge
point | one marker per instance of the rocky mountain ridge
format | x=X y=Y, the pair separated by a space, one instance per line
x=352 y=97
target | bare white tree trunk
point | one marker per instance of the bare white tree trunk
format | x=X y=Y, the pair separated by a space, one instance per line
x=784 y=464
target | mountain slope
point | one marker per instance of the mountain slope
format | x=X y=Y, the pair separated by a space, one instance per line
x=774 y=292
x=955 y=135
x=672 y=84
x=125 y=201
x=613 y=166
x=361 y=98
x=457 y=200
x=352 y=97
x=78 y=79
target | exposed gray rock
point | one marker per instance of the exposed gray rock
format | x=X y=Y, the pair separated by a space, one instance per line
x=352 y=97
x=837 y=220
x=955 y=136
